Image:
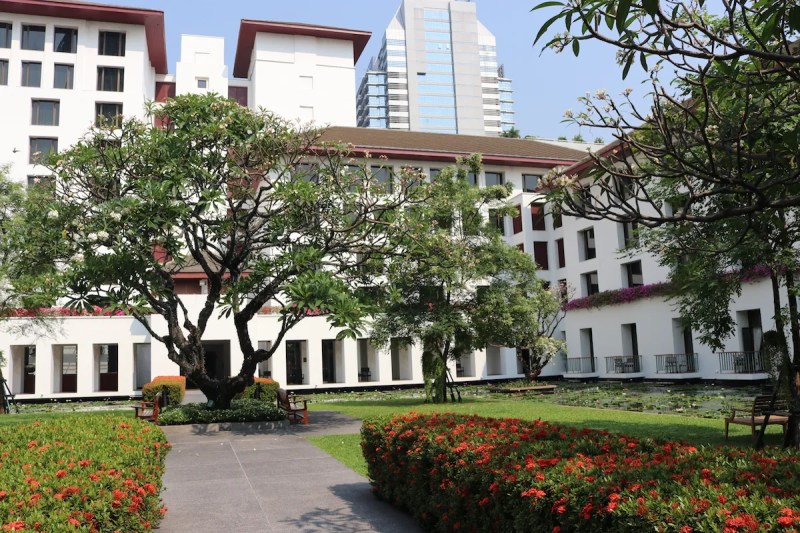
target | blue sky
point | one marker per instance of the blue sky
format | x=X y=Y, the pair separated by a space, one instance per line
x=544 y=85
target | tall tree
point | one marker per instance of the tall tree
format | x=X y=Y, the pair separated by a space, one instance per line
x=455 y=275
x=268 y=214
x=710 y=159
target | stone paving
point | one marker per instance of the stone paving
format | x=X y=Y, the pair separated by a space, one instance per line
x=272 y=481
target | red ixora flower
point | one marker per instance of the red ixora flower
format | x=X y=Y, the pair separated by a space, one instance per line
x=14 y=526
x=61 y=473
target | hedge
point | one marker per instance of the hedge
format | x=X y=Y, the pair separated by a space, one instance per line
x=466 y=473
x=245 y=410
x=263 y=389
x=176 y=387
x=81 y=472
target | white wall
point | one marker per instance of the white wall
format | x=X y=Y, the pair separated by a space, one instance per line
x=305 y=78
x=77 y=106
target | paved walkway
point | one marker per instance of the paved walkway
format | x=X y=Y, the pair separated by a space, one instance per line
x=270 y=482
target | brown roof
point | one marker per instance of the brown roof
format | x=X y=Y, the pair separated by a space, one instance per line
x=152 y=20
x=425 y=146
x=249 y=28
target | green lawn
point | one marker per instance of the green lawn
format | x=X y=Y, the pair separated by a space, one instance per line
x=27 y=418
x=699 y=431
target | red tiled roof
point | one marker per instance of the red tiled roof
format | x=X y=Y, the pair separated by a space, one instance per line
x=425 y=146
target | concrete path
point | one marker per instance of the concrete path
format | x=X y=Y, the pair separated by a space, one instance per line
x=270 y=482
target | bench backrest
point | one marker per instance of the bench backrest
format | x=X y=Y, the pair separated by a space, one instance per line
x=283 y=399
x=762 y=404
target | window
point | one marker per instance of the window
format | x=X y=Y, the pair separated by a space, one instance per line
x=110 y=79
x=498 y=221
x=516 y=221
x=45 y=112
x=41 y=181
x=586 y=241
x=383 y=177
x=562 y=258
x=5 y=35
x=107 y=114
x=42 y=147
x=494 y=178
x=65 y=40
x=32 y=37
x=591 y=284
x=625 y=188
x=112 y=43
x=530 y=182
x=3 y=72
x=629 y=237
x=633 y=274
x=540 y=254
x=63 y=76
x=202 y=83
x=521 y=247
x=472 y=178
x=537 y=217
x=31 y=74
x=557 y=218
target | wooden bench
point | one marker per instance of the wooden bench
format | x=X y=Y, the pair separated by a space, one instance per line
x=148 y=410
x=755 y=416
x=296 y=410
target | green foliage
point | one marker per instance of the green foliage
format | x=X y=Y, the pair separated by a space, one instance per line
x=244 y=410
x=90 y=473
x=264 y=210
x=175 y=385
x=457 y=472
x=451 y=255
x=262 y=389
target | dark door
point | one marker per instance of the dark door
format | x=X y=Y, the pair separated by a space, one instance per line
x=109 y=361
x=69 y=369
x=328 y=361
x=29 y=371
x=294 y=363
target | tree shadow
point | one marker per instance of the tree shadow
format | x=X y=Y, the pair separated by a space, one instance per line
x=359 y=511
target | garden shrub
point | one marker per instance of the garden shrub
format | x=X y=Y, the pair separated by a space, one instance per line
x=244 y=410
x=263 y=389
x=81 y=472
x=466 y=473
x=176 y=387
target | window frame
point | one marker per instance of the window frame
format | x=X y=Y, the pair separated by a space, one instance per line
x=589 y=287
x=25 y=69
x=500 y=178
x=4 y=66
x=541 y=255
x=32 y=159
x=115 y=120
x=630 y=273
x=102 y=75
x=7 y=27
x=70 y=78
x=102 y=43
x=36 y=111
x=25 y=37
x=72 y=33
x=588 y=244
x=525 y=187
x=538 y=217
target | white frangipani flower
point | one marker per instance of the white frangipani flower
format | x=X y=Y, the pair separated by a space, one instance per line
x=568 y=113
x=115 y=216
x=102 y=235
x=601 y=94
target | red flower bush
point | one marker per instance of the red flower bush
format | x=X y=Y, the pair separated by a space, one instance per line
x=88 y=473
x=457 y=472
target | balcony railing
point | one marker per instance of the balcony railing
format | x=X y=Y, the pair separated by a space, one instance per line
x=623 y=364
x=676 y=363
x=741 y=362
x=581 y=365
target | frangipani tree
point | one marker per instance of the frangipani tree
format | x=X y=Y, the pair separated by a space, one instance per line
x=267 y=214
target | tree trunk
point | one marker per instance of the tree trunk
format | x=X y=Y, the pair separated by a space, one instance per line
x=219 y=392
x=792 y=438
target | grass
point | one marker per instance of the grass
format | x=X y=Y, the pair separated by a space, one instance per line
x=27 y=418
x=695 y=430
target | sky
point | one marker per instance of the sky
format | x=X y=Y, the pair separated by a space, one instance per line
x=545 y=84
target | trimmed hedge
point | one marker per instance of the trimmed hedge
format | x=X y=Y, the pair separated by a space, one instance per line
x=245 y=410
x=466 y=473
x=83 y=472
x=176 y=385
x=263 y=389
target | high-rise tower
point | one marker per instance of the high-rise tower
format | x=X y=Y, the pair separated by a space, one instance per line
x=437 y=71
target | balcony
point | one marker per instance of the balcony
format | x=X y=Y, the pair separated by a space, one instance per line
x=624 y=364
x=676 y=363
x=581 y=365
x=741 y=363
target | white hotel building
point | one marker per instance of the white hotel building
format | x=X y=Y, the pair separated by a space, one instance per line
x=62 y=63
